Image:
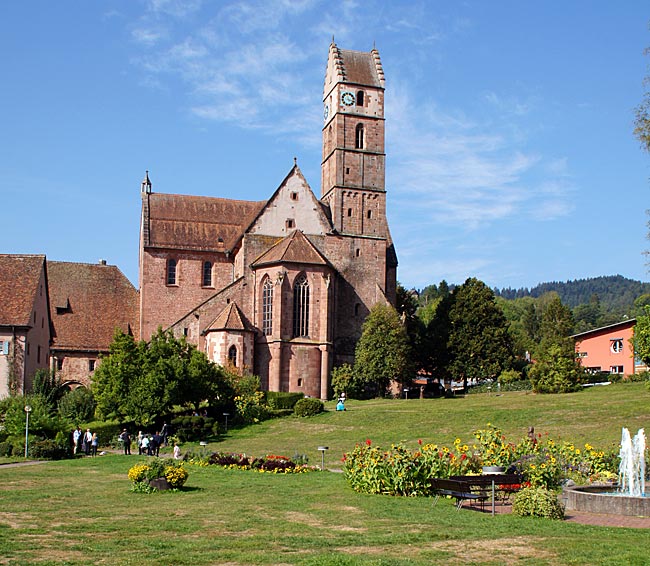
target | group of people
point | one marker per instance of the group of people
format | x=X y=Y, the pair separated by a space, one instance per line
x=148 y=444
x=84 y=442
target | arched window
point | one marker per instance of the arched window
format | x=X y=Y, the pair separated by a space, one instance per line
x=360 y=98
x=301 y=307
x=171 y=271
x=232 y=355
x=207 y=274
x=267 y=307
x=358 y=143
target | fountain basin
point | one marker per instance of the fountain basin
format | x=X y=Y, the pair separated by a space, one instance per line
x=604 y=499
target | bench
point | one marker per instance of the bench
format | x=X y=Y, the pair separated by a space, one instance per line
x=504 y=484
x=459 y=489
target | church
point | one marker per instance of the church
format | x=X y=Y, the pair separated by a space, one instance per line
x=281 y=287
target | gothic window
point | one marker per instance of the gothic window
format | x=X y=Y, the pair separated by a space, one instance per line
x=360 y=98
x=232 y=355
x=207 y=274
x=301 y=307
x=267 y=308
x=171 y=271
x=358 y=143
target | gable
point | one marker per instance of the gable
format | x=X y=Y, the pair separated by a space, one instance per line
x=293 y=206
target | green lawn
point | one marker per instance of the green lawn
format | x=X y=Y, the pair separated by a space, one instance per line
x=82 y=512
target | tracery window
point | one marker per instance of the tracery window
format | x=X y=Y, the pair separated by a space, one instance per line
x=360 y=98
x=171 y=271
x=267 y=307
x=301 y=307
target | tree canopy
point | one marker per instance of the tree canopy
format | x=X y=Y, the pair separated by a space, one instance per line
x=382 y=353
x=479 y=344
x=140 y=381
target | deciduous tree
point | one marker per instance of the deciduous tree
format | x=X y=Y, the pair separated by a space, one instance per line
x=382 y=353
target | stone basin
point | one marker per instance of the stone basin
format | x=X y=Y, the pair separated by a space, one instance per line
x=605 y=499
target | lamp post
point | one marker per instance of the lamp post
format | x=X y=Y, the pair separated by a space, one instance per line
x=28 y=409
x=322 y=449
x=226 y=415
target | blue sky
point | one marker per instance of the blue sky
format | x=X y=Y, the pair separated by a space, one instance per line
x=510 y=154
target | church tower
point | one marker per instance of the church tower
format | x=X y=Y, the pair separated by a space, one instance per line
x=354 y=159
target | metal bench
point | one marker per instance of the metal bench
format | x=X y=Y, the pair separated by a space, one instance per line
x=460 y=490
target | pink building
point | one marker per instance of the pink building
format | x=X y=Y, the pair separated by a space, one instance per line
x=609 y=349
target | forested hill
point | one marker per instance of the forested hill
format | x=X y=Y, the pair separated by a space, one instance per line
x=614 y=292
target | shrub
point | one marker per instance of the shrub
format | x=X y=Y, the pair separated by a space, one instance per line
x=308 y=407
x=77 y=405
x=282 y=400
x=509 y=375
x=5 y=449
x=49 y=450
x=106 y=431
x=194 y=428
x=537 y=502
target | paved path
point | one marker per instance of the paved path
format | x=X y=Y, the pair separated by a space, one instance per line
x=598 y=519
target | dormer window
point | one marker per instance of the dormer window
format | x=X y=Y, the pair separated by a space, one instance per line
x=360 y=98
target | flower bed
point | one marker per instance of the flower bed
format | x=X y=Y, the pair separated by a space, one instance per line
x=144 y=473
x=541 y=461
x=270 y=463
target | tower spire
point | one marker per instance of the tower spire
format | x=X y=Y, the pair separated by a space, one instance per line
x=145 y=186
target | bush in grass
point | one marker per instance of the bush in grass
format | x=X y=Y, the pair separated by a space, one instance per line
x=308 y=407
x=50 y=449
x=278 y=400
x=537 y=502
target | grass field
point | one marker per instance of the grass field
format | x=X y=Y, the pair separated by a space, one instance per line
x=82 y=512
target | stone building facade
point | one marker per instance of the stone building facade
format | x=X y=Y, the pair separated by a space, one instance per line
x=282 y=287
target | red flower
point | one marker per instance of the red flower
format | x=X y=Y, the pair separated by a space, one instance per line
x=463 y=457
x=420 y=441
x=368 y=441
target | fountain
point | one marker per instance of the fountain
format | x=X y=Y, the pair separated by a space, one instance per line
x=630 y=498
x=631 y=471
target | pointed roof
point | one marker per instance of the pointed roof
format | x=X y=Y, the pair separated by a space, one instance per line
x=88 y=302
x=359 y=67
x=19 y=279
x=295 y=248
x=196 y=223
x=231 y=318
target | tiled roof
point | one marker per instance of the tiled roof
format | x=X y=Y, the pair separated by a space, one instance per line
x=88 y=302
x=295 y=248
x=19 y=278
x=230 y=318
x=197 y=223
x=361 y=68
